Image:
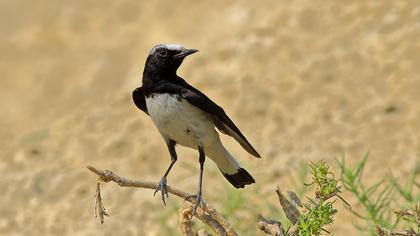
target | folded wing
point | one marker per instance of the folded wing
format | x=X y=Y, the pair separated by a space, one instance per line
x=220 y=119
x=140 y=100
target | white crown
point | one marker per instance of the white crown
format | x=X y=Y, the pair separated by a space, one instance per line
x=174 y=47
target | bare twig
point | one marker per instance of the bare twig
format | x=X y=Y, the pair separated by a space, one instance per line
x=383 y=232
x=185 y=224
x=208 y=215
x=109 y=176
x=99 y=208
x=270 y=227
x=185 y=221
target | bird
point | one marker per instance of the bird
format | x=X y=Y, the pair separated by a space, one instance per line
x=184 y=115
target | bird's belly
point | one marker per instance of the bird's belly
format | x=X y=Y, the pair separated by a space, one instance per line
x=180 y=121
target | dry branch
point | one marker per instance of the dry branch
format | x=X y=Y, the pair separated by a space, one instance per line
x=208 y=215
x=99 y=209
x=270 y=227
x=185 y=223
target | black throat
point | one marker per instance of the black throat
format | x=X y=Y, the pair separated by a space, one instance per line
x=159 y=81
x=160 y=76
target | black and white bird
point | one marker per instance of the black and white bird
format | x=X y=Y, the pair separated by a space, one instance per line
x=185 y=116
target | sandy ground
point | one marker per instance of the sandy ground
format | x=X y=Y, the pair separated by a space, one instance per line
x=304 y=80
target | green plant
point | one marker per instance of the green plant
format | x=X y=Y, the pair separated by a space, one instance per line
x=407 y=191
x=378 y=199
x=317 y=213
x=412 y=219
x=316 y=217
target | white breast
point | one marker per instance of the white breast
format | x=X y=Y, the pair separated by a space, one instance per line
x=180 y=121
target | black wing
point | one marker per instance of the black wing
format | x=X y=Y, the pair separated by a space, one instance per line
x=139 y=99
x=220 y=119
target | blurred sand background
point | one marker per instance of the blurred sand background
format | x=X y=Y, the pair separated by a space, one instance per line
x=303 y=80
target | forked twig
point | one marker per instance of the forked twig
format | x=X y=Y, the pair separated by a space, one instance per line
x=99 y=209
x=208 y=215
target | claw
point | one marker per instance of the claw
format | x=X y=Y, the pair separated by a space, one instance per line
x=198 y=202
x=163 y=188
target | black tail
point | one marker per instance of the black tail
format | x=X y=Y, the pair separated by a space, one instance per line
x=240 y=179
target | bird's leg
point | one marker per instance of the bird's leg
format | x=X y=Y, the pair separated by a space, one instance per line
x=163 y=187
x=199 y=199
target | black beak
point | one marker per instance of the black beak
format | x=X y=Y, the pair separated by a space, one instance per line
x=185 y=52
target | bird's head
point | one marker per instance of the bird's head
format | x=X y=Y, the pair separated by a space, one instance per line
x=166 y=58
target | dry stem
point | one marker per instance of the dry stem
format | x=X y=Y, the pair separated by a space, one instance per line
x=270 y=227
x=208 y=215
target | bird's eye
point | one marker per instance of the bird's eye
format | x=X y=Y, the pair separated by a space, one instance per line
x=163 y=52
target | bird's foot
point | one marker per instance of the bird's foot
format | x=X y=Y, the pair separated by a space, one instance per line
x=163 y=188
x=198 y=202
